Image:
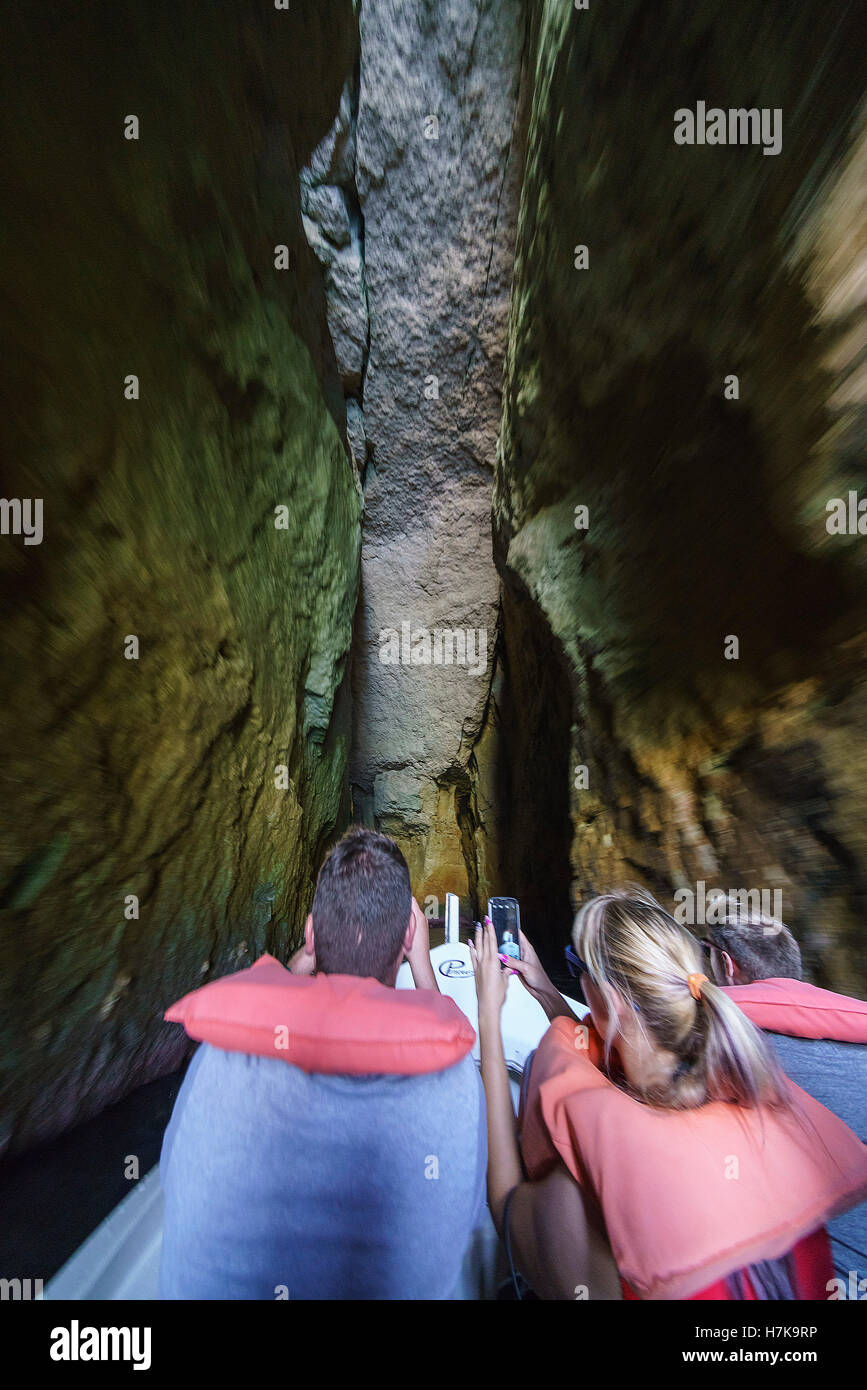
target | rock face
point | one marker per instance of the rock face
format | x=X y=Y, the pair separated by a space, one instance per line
x=332 y=224
x=287 y=297
x=150 y=840
x=437 y=169
x=658 y=757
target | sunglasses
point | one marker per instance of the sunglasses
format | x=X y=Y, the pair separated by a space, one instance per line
x=574 y=964
x=578 y=967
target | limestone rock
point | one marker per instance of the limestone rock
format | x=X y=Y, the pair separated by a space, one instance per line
x=347 y=314
x=706 y=514
x=437 y=177
x=325 y=206
x=170 y=809
x=356 y=436
x=332 y=226
x=333 y=160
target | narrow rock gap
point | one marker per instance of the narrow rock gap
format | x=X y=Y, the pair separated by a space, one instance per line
x=531 y=775
x=439 y=323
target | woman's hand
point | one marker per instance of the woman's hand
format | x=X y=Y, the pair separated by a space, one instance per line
x=534 y=978
x=491 y=979
x=532 y=972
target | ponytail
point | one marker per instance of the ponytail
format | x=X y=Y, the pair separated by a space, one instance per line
x=739 y=1063
x=635 y=950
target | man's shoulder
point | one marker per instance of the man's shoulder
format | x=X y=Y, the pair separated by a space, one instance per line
x=849 y=1054
x=834 y=1072
x=216 y=1066
x=240 y=1090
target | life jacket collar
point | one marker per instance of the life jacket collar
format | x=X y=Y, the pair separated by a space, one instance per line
x=337 y=1024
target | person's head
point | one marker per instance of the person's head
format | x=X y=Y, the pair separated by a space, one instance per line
x=680 y=1040
x=362 y=919
x=744 y=946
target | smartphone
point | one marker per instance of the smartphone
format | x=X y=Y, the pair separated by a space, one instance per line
x=506 y=917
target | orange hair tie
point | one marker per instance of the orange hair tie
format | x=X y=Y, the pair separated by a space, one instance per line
x=695 y=983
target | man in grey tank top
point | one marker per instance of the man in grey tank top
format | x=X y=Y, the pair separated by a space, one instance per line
x=282 y=1183
x=745 y=947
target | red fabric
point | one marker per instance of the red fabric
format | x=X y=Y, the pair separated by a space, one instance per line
x=812 y=1274
x=326 y=1023
x=802 y=1011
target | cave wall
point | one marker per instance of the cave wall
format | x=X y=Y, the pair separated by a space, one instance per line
x=435 y=133
x=707 y=516
x=155 y=777
x=398 y=152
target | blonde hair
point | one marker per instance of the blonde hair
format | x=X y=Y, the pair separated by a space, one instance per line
x=635 y=950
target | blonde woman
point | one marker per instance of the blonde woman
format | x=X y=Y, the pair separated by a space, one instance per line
x=663 y=1154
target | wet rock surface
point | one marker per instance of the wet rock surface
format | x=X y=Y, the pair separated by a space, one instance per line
x=437 y=174
x=706 y=514
x=155 y=777
x=428 y=172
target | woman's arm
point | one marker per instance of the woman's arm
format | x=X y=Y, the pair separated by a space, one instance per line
x=559 y=1242
x=504 y=1159
x=534 y=978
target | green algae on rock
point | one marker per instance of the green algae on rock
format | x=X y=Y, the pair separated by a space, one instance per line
x=212 y=515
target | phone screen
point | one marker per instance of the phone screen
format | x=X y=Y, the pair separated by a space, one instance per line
x=506 y=917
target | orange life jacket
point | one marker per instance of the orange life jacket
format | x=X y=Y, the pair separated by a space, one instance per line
x=802 y=1011
x=326 y=1023
x=688 y=1196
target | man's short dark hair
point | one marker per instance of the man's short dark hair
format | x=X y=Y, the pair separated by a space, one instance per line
x=361 y=907
x=761 y=947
